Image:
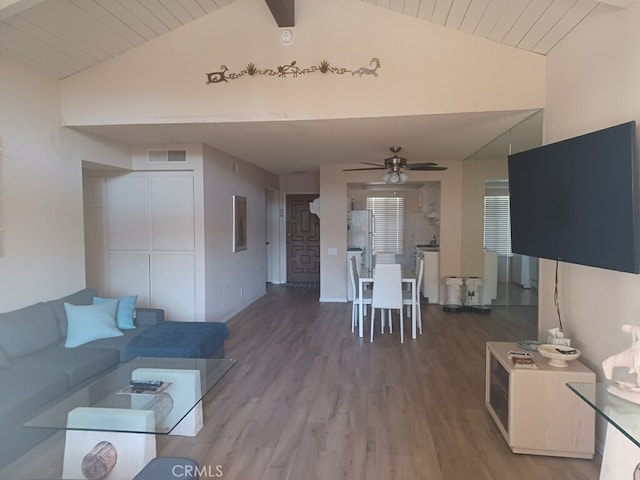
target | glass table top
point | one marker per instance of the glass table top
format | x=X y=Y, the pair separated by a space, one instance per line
x=622 y=414
x=169 y=406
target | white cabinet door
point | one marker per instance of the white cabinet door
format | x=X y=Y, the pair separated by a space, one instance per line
x=129 y=275
x=151 y=241
x=173 y=285
x=128 y=220
x=172 y=213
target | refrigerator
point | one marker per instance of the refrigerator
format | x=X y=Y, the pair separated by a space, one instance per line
x=360 y=234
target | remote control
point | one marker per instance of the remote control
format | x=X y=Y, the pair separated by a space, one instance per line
x=143 y=388
x=146 y=383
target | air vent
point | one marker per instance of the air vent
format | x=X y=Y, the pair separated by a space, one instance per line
x=167 y=156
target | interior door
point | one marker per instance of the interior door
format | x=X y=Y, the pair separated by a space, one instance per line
x=303 y=240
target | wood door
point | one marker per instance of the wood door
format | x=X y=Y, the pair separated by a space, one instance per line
x=303 y=240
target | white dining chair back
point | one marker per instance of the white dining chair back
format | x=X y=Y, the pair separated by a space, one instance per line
x=412 y=298
x=385 y=257
x=354 y=278
x=387 y=295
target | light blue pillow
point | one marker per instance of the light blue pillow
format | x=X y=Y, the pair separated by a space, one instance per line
x=126 y=310
x=86 y=323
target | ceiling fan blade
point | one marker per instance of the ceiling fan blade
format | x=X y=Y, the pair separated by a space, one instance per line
x=365 y=168
x=425 y=166
x=375 y=164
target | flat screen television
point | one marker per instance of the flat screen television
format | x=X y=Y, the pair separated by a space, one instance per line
x=575 y=200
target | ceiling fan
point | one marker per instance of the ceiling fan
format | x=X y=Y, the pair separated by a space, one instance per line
x=395 y=167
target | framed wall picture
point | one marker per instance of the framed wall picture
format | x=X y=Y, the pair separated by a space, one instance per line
x=239 y=223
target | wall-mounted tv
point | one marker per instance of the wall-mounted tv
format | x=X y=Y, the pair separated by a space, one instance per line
x=576 y=201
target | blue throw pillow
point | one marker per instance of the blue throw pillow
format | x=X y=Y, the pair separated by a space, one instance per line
x=126 y=310
x=86 y=323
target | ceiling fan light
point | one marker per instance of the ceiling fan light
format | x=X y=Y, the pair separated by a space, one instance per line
x=386 y=178
x=394 y=177
x=403 y=177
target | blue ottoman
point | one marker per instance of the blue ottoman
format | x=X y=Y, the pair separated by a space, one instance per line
x=169 y=468
x=180 y=339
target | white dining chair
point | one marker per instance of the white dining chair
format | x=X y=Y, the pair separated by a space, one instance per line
x=387 y=295
x=385 y=257
x=412 y=298
x=354 y=278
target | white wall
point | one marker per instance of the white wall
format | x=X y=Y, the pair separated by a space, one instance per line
x=233 y=280
x=425 y=69
x=593 y=78
x=333 y=198
x=43 y=252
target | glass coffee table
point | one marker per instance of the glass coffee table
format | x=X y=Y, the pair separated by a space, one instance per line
x=109 y=419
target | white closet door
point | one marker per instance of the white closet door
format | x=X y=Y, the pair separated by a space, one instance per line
x=173 y=285
x=129 y=275
x=172 y=213
x=128 y=223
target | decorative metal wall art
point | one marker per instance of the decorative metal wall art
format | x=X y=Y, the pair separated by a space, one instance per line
x=291 y=70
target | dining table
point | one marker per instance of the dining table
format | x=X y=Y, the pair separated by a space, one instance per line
x=366 y=279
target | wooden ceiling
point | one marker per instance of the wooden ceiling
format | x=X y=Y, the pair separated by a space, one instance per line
x=67 y=36
x=534 y=25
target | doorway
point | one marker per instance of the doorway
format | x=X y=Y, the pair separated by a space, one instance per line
x=303 y=240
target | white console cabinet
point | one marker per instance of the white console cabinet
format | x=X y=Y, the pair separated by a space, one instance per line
x=533 y=408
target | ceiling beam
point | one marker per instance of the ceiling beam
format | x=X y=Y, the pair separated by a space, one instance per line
x=283 y=11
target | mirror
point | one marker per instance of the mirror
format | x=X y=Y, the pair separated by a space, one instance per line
x=485 y=211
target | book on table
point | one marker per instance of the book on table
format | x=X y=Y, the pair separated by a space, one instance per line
x=523 y=362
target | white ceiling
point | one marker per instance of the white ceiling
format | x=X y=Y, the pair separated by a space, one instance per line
x=67 y=36
x=301 y=146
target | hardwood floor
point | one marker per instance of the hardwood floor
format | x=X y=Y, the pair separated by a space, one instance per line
x=308 y=399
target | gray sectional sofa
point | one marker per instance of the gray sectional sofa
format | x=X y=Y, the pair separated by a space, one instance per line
x=36 y=368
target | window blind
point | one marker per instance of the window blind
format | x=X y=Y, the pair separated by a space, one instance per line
x=497 y=225
x=388 y=214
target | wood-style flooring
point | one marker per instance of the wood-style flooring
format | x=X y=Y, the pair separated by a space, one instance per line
x=308 y=399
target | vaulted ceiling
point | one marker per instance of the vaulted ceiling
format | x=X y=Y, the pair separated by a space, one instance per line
x=67 y=36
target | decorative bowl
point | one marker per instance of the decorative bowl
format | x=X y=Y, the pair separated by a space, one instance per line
x=558 y=355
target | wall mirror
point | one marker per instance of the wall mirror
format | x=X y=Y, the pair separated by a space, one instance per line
x=485 y=213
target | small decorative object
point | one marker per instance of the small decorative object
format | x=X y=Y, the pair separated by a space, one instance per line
x=291 y=70
x=314 y=207
x=375 y=63
x=99 y=462
x=630 y=359
x=239 y=223
x=558 y=355
x=556 y=337
x=529 y=344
